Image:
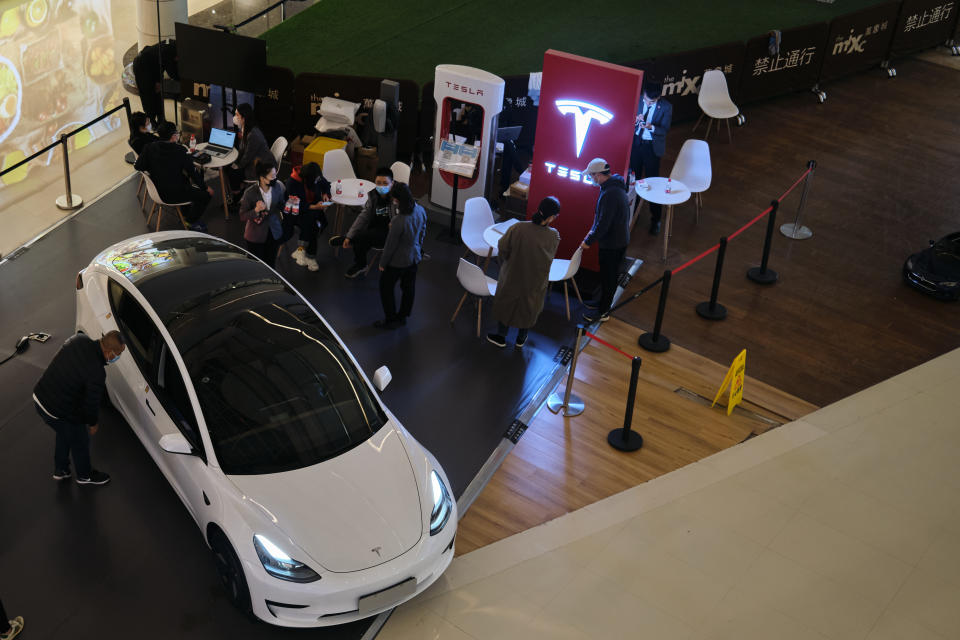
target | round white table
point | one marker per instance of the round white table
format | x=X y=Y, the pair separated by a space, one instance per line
x=656 y=193
x=218 y=164
x=493 y=233
x=350 y=196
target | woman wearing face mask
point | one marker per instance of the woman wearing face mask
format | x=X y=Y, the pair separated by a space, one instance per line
x=401 y=255
x=252 y=146
x=261 y=207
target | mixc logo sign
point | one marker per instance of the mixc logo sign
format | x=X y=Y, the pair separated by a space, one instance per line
x=583 y=114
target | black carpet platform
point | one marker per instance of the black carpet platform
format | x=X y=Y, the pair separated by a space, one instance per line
x=126 y=560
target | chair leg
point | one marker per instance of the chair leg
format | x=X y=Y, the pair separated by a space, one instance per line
x=183 y=220
x=159 y=215
x=150 y=215
x=698 y=122
x=454 y=317
x=566 y=299
x=486 y=263
x=479 y=313
x=729 y=136
x=696 y=204
x=576 y=290
x=709 y=126
x=139 y=189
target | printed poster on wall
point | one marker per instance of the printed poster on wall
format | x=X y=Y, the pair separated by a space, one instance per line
x=859 y=40
x=795 y=66
x=924 y=23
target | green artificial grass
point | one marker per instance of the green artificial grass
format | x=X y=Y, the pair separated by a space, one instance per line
x=406 y=39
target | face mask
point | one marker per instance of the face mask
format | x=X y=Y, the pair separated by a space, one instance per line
x=113 y=359
x=149 y=128
x=383 y=190
x=236 y=121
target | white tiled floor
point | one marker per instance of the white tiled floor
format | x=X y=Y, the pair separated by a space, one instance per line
x=840 y=526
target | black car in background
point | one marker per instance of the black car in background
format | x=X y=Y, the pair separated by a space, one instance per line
x=936 y=270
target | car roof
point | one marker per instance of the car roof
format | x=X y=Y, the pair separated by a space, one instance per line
x=194 y=275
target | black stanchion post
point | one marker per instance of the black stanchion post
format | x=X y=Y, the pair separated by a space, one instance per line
x=130 y=156
x=453 y=206
x=761 y=274
x=654 y=341
x=571 y=404
x=625 y=439
x=713 y=310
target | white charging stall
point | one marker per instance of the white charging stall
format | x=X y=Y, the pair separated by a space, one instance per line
x=456 y=87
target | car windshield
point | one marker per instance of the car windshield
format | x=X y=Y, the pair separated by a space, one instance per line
x=277 y=390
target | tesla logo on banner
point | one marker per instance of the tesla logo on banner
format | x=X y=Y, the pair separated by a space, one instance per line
x=583 y=114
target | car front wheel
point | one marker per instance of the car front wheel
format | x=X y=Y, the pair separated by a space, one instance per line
x=230 y=571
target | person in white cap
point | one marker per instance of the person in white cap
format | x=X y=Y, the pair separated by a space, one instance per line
x=611 y=230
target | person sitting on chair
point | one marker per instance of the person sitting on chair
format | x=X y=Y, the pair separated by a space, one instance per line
x=252 y=146
x=142 y=132
x=369 y=230
x=173 y=173
x=308 y=184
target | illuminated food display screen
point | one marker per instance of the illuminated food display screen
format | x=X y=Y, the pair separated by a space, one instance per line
x=58 y=70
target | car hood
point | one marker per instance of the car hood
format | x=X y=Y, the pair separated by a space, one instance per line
x=349 y=513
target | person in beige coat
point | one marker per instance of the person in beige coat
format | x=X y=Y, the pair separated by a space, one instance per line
x=526 y=252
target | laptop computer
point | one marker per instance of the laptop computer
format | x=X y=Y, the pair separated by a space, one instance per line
x=220 y=143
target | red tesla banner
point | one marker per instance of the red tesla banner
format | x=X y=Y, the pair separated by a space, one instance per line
x=587 y=110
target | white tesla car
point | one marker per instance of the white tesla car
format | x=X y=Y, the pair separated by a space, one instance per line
x=320 y=508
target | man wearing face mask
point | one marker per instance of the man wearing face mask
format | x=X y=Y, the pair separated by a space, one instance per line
x=611 y=230
x=370 y=228
x=67 y=398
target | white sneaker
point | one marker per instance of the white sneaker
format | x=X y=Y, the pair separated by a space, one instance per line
x=300 y=256
x=310 y=264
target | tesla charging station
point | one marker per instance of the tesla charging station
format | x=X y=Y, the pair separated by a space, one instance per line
x=454 y=87
x=587 y=110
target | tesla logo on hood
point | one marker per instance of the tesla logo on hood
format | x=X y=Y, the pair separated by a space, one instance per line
x=583 y=114
x=376 y=550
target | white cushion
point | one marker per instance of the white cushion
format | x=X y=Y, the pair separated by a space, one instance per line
x=340 y=111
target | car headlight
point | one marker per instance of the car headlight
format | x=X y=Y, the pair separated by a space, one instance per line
x=909 y=263
x=949 y=284
x=442 y=504
x=279 y=564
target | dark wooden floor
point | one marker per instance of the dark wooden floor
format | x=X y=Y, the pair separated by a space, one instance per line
x=841 y=318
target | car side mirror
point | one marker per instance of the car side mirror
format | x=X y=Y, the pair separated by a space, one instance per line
x=176 y=443
x=382 y=377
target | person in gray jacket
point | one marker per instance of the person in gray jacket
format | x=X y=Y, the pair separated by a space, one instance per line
x=611 y=230
x=261 y=208
x=526 y=253
x=402 y=253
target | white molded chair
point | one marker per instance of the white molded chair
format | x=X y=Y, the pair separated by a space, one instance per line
x=337 y=166
x=279 y=149
x=714 y=100
x=476 y=283
x=401 y=172
x=563 y=271
x=692 y=167
x=157 y=202
x=477 y=216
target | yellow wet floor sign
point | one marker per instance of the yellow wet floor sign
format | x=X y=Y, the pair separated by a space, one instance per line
x=734 y=379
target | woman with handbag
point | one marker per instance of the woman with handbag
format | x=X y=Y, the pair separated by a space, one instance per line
x=261 y=207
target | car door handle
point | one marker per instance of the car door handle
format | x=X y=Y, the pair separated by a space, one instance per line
x=151 y=408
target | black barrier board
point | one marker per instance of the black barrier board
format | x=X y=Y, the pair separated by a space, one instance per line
x=274 y=108
x=682 y=75
x=859 y=40
x=311 y=88
x=426 y=125
x=796 y=66
x=923 y=23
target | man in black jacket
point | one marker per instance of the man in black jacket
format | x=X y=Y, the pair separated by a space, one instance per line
x=148 y=69
x=611 y=229
x=67 y=397
x=171 y=169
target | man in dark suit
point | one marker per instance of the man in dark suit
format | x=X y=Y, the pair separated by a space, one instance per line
x=650 y=141
x=172 y=170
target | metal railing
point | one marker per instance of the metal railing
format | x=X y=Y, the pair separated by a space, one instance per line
x=70 y=200
x=283 y=16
